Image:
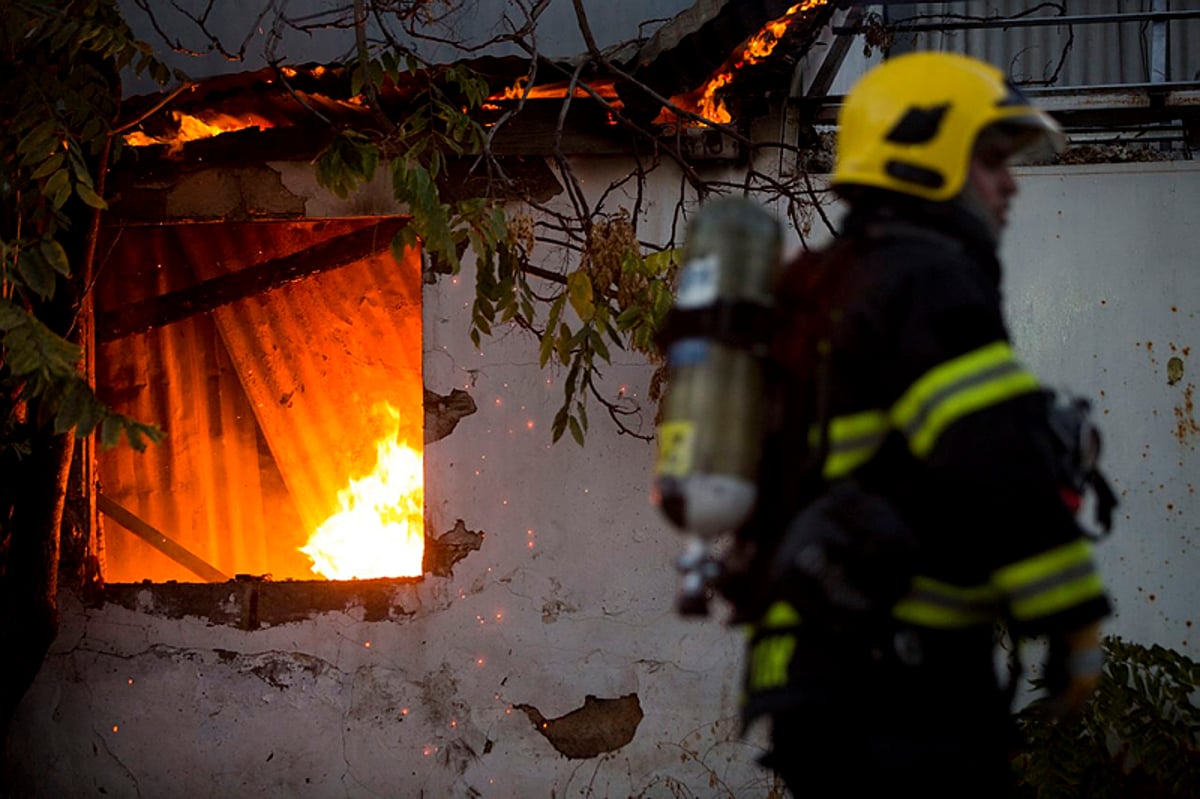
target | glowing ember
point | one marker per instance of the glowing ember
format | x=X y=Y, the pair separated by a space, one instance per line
x=192 y=128
x=379 y=531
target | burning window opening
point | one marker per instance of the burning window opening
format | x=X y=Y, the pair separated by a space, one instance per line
x=292 y=406
x=705 y=101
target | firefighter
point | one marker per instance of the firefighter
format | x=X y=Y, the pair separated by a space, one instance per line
x=939 y=471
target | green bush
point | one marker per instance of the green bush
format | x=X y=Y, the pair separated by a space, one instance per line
x=1138 y=736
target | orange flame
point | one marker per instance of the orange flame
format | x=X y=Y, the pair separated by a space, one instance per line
x=605 y=88
x=379 y=530
x=192 y=128
x=758 y=47
x=710 y=107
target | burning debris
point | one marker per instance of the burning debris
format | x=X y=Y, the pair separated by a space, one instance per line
x=187 y=127
x=706 y=100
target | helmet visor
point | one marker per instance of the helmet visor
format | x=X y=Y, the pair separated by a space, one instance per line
x=1034 y=134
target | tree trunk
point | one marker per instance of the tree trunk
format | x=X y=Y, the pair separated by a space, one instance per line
x=29 y=570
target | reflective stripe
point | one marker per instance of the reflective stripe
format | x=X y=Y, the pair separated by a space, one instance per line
x=771 y=655
x=954 y=389
x=944 y=606
x=769 y=661
x=780 y=614
x=853 y=440
x=1052 y=581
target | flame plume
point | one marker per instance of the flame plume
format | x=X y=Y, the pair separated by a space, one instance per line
x=759 y=46
x=379 y=529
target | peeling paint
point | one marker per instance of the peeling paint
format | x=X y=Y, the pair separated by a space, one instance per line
x=1174 y=370
x=601 y=725
x=443 y=552
x=443 y=413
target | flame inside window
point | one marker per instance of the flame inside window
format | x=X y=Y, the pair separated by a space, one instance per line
x=378 y=530
x=293 y=406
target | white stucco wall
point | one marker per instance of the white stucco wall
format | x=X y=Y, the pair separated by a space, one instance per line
x=571 y=593
x=1102 y=290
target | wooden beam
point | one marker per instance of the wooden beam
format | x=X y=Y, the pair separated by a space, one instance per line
x=204 y=297
x=160 y=541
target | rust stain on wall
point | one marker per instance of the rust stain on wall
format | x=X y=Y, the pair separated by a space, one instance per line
x=601 y=725
x=1185 y=416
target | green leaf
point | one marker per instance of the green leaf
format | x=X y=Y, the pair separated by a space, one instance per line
x=55 y=256
x=559 y=426
x=12 y=315
x=563 y=344
x=404 y=240
x=628 y=317
x=91 y=414
x=546 y=348
x=579 y=289
x=576 y=431
x=659 y=262
x=89 y=196
x=61 y=195
x=597 y=342
x=556 y=309
x=51 y=164
x=35 y=273
x=581 y=410
x=79 y=167
x=39 y=141
x=110 y=431
x=57 y=182
x=70 y=406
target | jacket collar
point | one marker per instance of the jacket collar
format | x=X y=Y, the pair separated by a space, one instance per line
x=882 y=215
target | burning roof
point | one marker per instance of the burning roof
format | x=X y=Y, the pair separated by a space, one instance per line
x=715 y=51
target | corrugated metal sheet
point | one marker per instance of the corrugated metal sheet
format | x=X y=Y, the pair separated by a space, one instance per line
x=1076 y=55
x=270 y=403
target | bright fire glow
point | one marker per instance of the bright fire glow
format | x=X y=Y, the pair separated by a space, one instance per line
x=710 y=107
x=192 y=128
x=704 y=101
x=379 y=530
x=605 y=88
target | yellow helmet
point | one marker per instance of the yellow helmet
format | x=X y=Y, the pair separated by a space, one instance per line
x=910 y=124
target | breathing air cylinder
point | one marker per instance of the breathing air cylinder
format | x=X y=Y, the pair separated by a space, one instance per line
x=715 y=336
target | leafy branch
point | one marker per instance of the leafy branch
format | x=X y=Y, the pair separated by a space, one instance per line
x=58 y=107
x=574 y=274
